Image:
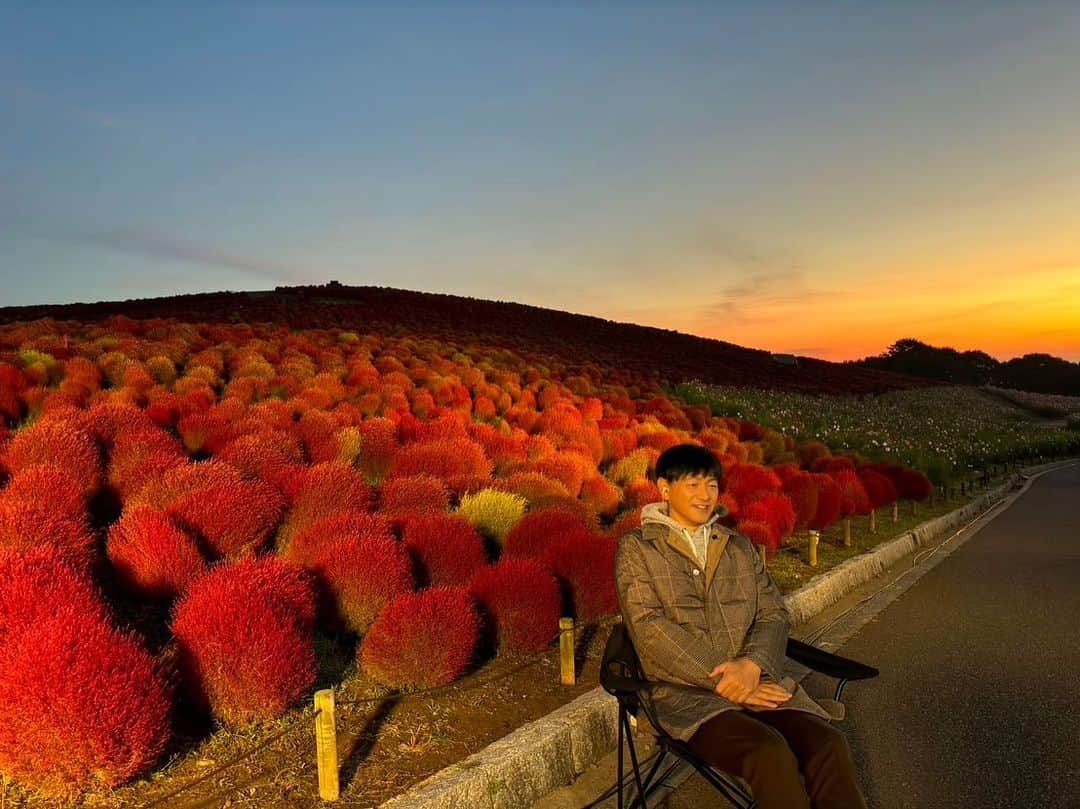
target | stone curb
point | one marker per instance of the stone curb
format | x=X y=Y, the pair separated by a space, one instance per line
x=528 y=763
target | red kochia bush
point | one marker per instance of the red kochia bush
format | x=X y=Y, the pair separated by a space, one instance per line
x=853 y=497
x=422 y=640
x=141 y=456
x=27 y=523
x=534 y=533
x=419 y=494
x=879 y=488
x=324 y=490
x=39 y=583
x=775 y=508
x=744 y=479
x=912 y=484
x=244 y=635
x=760 y=532
x=802 y=491
x=521 y=604
x=601 y=495
x=151 y=555
x=358 y=576
x=828 y=506
x=446 y=548
x=80 y=704
x=445 y=458
x=586 y=567
x=234 y=517
x=351 y=524
x=56 y=445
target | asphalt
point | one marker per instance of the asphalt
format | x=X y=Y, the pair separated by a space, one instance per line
x=978 y=702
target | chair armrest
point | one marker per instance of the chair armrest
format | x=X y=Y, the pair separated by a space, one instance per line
x=828 y=663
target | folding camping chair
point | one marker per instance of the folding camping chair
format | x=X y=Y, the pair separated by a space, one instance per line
x=622 y=677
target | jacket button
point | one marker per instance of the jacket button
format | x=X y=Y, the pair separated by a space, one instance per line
x=697 y=572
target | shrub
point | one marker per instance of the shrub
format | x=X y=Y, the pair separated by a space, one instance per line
x=349 y=524
x=535 y=533
x=879 y=488
x=600 y=495
x=760 y=532
x=141 y=456
x=29 y=522
x=912 y=484
x=586 y=567
x=533 y=486
x=444 y=458
x=521 y=604
x=233 y=517
x=56 y=445
x=41 y=582
x=322 y=491
x=151 y=555
x=566 y=468
x=641 y=492
x=776 y=509
x=378 y=446
x=446 y=548
x=743 y=480
x=803 y=492
x=358 y=576
x=492 y=512
x=626 y=522
x=422 y=640
x=853 y=497
x=80 y=704
x=829 y=496
x=634 y=466
x=418 y=494
x=244 y=637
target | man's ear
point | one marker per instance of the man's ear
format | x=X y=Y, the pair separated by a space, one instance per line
x=662 y=484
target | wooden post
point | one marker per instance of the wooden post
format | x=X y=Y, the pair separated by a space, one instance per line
x=873 y=521
x=896 y=511
x=326 y=745
x=815 y=538
x=847 y=532
x=566 y=650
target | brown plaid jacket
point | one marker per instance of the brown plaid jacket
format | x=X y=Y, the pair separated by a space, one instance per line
x=685 y=620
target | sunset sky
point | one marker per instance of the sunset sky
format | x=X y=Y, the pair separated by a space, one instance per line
x=817 y=178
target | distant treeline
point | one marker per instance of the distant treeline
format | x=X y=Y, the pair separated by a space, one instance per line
x=1040 y=373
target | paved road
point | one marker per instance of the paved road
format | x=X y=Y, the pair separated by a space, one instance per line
x=978 y=703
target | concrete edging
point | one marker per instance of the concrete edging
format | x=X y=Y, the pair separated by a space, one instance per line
x=532 y=761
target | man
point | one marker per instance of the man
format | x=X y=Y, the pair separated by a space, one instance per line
x=711 y=630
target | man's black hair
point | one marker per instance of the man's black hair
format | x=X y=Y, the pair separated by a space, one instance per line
x=687 y=460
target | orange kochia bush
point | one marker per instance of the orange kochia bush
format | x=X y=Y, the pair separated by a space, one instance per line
x=245 y=637
x=151 y=555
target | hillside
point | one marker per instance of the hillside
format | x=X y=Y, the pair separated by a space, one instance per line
x=531 y=331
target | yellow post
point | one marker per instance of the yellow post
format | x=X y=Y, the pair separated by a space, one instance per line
x=326 y=745
x=873 y=521
x=847 y=532
x=896 y=511
x=566 y=650
x=815 y=538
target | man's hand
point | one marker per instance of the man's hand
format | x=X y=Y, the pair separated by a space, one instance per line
x=739 y=678
x=767 y=695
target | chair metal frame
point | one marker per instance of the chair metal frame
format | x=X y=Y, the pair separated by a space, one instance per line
x=622 y=677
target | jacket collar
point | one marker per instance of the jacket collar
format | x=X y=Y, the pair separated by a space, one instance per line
x=657 y=526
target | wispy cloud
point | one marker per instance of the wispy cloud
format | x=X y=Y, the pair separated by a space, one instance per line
x=160 y=246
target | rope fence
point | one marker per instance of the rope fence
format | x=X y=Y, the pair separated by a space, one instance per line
x=324 y=716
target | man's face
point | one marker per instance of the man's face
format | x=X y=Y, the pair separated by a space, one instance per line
x=691 y=500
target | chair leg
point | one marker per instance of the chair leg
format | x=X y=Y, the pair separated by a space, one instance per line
x=619 y=783
x=634 y=762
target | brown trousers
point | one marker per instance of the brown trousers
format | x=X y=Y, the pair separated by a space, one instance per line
x=769 y=749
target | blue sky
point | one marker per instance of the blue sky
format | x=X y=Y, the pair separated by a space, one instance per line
x=813 y=177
